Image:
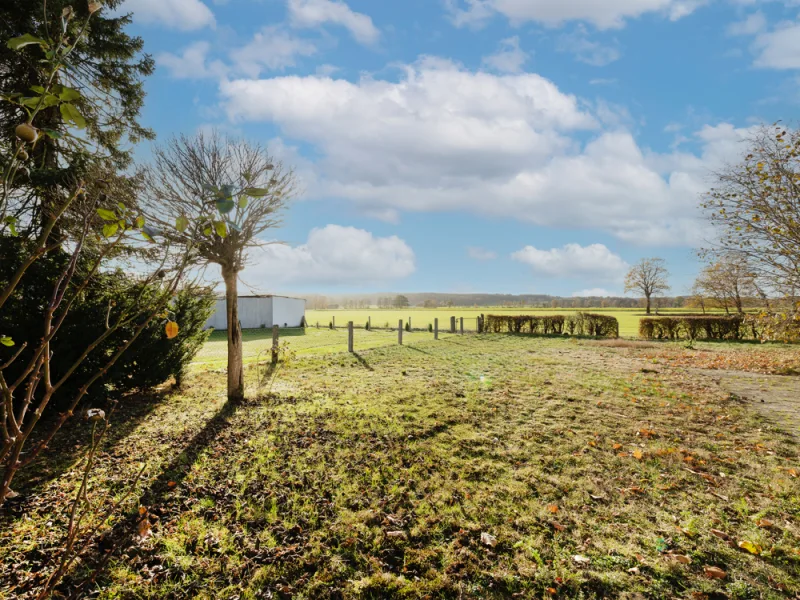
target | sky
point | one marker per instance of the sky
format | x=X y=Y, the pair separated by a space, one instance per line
x=509 y=146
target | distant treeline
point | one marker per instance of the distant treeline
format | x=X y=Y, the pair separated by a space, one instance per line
x=435 y=300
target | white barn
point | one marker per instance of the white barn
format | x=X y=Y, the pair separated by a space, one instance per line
x=261 y=311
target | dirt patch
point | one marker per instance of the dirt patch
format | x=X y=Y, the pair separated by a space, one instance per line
x=776 y=397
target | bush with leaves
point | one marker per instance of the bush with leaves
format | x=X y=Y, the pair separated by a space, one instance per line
x=693 y=327
x=593 y=325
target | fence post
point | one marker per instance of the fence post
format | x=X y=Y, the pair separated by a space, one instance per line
x=333 y=320
x=400 y=332
x=350 y=337
x=369 y=320
x=452 y=324
x=275 y=337
x=462 y=325
x=436 y=329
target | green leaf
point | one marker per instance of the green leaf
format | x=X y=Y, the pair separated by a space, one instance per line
x=106 y=215
x=110 y=229
x=12 y=225
x=69 y=95
x=6 y=341
x=256 y=192
x=53 y=134
x=73 y=115
x=25 y=40
x=181 y=223
x=221 y=228
x=243 y=202
x=225 y=206
x=139 y=222
x=207 y=231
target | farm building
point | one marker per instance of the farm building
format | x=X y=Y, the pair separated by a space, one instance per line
x=261 y=311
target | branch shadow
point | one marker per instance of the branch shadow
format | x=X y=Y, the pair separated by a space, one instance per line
x=363 y=361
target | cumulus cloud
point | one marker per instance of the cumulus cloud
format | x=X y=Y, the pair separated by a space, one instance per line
x=603 y=15
x=315 y=13
x=186 y=15
x=594 y=262
x=271 y=49
x=751 y=25
x=482 y=254
x=780 y=47
x=509 y=58
x=333 y=255
x=442 y=138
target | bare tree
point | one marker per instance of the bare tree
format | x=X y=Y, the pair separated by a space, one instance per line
x=649 y=277
x=226 y=193
x=728 y=281
x=756 y=206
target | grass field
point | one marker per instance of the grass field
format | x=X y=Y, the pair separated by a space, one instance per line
x=475 y=467
x=421 y=318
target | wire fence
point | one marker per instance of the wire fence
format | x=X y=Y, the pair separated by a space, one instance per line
x=257 y=343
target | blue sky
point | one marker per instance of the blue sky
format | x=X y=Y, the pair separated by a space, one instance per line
x=514 y=146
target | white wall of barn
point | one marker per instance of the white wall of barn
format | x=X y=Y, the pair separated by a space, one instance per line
x=255 y=313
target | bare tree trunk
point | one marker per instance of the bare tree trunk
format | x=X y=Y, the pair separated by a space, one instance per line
x=648 y=303
x=235 y=368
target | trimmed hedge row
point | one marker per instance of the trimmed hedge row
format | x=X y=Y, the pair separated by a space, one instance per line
x=525 y=324
x=690 y=327
x=578 y=324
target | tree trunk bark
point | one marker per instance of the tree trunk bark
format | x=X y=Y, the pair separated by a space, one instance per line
x=648 y=304
x=235 y=367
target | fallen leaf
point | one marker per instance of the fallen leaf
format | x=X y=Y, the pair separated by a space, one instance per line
x=396 y=534
x=582 y=560
x=687 y=532
x=551 y=591
x=750 y=547
x=638 y=454
x=617 y=446
x=714 y=573
x=682 y=558
x=558 y=526
x=765 y=523
x=171 y=484
x=552 y=508
x=720 y=534
x=793 y=472
x=488 y=539
x=634 y=570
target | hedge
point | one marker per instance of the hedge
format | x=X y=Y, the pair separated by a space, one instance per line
x=525 y=324
x=690 y=327
x=592 y=325
x=578 y=324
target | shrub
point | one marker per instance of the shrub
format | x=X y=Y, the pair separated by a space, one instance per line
x=592 y=325
x=151 y=359
x=543 y=325
x=775 y=327
x=694 y=327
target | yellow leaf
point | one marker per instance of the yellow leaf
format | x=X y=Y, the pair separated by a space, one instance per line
x=750 y=547
x=171 y=329
x=638 y=454
x=617 y=446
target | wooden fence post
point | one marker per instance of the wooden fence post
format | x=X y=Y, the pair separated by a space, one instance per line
x=400 y=332
x=369 y=321
x=436 y=329
x=333 y=320
x=275 y=337
x=350 y=337
x=462 y=325
x=452 y=324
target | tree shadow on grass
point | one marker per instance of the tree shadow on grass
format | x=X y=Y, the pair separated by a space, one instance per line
x=71 y=441
x=363 y=361
x=156 y=497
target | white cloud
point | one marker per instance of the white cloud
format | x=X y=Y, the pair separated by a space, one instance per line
x=751 y=25
x=509 y=58
x=594 y=262
x=587 y=51
x=779 y=48
x=594 y=293
x=315 y=13
x=333 y=255
x=603 y=81
x=271 y=48
x=186 y=15
x=442 y=138
x=605 y=14
x=191 y=64
x=482 y=254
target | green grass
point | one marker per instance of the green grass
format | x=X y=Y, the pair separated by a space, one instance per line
x=421 y=318
x=375 y=476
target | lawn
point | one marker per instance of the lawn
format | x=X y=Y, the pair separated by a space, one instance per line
x=421 y=318
x=473 y=467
